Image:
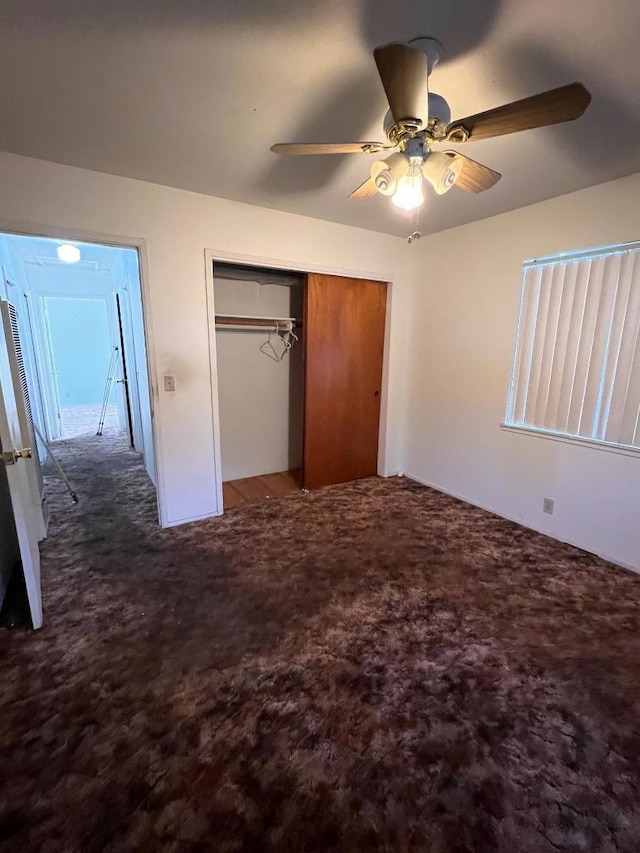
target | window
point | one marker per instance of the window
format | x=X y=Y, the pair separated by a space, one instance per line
x=576 y=369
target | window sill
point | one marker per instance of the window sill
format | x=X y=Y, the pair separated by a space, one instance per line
x=623 y=449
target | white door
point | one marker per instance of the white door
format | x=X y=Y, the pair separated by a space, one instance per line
x=9 y=317
x=11 y=439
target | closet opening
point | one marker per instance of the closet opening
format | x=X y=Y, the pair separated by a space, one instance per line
x=299 y=360
x=260 y=345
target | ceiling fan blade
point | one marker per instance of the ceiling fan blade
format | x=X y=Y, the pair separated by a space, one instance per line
x=328 y=148
x=365 y=190
x=404 y=73
x=564 y=104
x=474 y=177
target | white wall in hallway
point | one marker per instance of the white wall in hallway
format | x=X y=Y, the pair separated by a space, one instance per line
x=126 y=274
x=176 y=228
x=463 y=333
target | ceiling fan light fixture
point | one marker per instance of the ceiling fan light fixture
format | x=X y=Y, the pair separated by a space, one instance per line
x=386 y=174
x=442 y=170
x=68 y=253
x=408 y=194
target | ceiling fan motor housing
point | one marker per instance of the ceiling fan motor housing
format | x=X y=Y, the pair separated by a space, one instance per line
x=439 y=114
x=439 y=109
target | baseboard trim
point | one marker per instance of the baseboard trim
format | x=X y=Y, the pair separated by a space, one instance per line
x=519 y=521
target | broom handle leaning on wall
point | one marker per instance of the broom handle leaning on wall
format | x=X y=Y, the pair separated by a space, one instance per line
x=59 y=468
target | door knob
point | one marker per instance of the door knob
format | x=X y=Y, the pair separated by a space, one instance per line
x=10 y=457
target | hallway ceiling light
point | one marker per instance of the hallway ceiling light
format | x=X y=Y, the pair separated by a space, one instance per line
x=68 y=253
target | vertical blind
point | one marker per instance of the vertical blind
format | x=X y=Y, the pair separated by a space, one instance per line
x=576 y=368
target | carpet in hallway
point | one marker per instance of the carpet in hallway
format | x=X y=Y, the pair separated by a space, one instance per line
x=373 y=666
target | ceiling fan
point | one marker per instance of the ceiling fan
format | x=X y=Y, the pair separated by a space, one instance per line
x=419 y=119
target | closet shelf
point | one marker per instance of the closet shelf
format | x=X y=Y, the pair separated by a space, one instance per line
x=259 y=323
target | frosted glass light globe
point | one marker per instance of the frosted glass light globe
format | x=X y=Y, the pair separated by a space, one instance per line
x=68 y=253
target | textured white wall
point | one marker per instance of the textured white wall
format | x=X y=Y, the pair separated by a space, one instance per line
x=176 y=228
x=463 y=332
x=257 y=395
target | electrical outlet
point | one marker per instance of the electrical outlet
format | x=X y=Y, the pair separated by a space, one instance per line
x=169 y=382
x=547 y=506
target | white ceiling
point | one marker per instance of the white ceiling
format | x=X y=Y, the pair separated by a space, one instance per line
x=42 y=251
x=191 y=93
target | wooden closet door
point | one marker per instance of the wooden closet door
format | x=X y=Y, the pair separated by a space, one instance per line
x=344 y=343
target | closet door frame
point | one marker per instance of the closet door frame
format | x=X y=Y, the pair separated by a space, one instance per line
x=213 y=255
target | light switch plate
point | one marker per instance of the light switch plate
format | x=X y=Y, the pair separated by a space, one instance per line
x=169 y=382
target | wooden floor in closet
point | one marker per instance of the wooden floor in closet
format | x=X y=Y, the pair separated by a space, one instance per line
x=252 y=490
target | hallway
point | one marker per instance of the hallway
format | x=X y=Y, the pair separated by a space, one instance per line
x=85 y=420
x=116 y=498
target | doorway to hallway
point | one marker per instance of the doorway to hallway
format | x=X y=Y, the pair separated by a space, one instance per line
x=86 y=367
x=80 y=323
x=75 y=358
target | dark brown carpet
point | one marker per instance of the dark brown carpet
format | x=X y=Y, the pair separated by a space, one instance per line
x=372 y=666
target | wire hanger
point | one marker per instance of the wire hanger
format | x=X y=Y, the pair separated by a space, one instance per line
x=287 y=339
x=267 y=348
